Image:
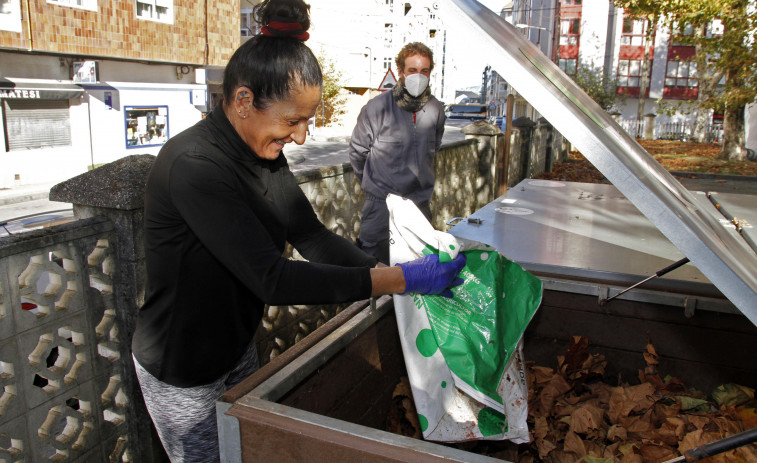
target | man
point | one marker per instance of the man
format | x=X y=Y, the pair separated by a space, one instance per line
x=393 y=145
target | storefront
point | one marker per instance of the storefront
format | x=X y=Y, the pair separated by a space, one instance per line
x=139 y=118
x=40 y=128
x=53 y=130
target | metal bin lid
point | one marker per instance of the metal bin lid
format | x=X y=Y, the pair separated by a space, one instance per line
x=725 y=258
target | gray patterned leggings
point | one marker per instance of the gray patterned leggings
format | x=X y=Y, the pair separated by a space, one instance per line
x=185 y=417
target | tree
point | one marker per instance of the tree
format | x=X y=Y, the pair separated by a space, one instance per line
x=333 y=100
x=727 y=54
x=599 y=86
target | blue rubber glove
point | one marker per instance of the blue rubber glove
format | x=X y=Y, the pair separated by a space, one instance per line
x=429 y=276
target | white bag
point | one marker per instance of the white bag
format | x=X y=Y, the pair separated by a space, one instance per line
x=450 y=403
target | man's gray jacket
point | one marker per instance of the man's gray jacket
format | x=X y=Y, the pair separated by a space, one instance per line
x=392 y=150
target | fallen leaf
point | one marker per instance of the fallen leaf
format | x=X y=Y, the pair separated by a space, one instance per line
x=556 y=387
x=585 y=418
x=748 y=416
x=574 y=444
x=690 y=441
x=693 y=404
x=633 y=458
x=618 y=433
x=591 y=459
x=732 y=394
x=544 y=447
x=656 y=453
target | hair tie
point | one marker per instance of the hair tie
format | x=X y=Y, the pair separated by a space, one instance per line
x=289 y=29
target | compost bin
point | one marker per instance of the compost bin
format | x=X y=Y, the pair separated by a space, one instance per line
x=329 y=396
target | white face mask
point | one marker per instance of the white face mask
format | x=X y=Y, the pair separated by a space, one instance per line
x=416 y=84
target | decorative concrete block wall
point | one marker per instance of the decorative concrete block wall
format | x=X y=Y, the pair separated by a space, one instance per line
x=62 y=372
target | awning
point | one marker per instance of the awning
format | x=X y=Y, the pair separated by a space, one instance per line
x=39 y=89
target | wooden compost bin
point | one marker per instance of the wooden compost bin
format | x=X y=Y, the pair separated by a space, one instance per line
x=327 y=398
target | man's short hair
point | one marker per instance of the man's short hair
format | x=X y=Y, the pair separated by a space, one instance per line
x=412 y=49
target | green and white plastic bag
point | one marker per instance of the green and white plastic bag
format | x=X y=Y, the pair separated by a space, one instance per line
x=464 y=355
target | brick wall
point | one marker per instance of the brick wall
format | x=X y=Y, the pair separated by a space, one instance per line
x=114 y=31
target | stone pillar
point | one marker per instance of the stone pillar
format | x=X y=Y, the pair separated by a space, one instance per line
x=491 y=145
x=116 y=191
x=526 y=128
x=547 y=132
x=649 y=121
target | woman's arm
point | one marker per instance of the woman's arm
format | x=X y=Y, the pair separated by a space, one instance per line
x=386 y=280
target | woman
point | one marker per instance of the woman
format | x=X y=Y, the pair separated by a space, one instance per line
x=220 y=204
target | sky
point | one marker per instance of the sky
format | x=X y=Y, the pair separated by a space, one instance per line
x=466 y=65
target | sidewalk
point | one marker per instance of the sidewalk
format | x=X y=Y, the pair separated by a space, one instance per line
x=25 y=193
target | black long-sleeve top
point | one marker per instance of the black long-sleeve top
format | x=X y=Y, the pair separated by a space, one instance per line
x=216 y=221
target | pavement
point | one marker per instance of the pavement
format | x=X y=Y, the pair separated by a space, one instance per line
x=329 y=146
x=24 y=193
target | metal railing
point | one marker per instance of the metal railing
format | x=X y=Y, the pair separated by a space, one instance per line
x=681 y=131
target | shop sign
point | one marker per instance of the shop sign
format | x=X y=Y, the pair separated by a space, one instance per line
x=19 y=93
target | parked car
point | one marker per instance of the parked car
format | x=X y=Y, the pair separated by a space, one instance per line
x=35 y=221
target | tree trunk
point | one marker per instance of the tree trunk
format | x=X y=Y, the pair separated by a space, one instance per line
x=644 y=73
x=649 y=38
x=706 y=83
x=733 y=135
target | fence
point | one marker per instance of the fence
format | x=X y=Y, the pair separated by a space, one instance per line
x=681 y=131
x=69 y=294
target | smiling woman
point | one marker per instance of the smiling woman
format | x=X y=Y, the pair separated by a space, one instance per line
x=220 y=206
x=267 y=130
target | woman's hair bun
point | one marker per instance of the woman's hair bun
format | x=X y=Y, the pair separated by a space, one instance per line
x=283 y=11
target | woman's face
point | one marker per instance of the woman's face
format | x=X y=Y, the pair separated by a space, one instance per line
x=267 y=131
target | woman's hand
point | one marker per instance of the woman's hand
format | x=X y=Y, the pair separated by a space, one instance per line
x=425 y=276
x=429 y=276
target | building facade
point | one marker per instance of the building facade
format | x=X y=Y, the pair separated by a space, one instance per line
x=595 y=35
x=364 y=37
x=83 y=83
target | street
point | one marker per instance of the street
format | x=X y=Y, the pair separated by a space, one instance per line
x=10 y=211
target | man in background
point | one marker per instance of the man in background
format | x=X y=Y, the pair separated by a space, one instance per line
x=393 y=146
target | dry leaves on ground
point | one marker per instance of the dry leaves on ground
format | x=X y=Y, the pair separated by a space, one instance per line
x=674 y=156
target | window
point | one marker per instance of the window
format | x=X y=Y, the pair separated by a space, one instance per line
x=388 y=35
x=31 y=124
x=10 y=15
x=629 y=73
x=390 y=4
x=633 y=32
x=248 y=26
x=146 y=125
x=681 y=74
x=387 y=63
x=569 y=30
x=90 y=5
x=568 y=66
x=681 y=34
x=432 y=33
x=155 y=10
